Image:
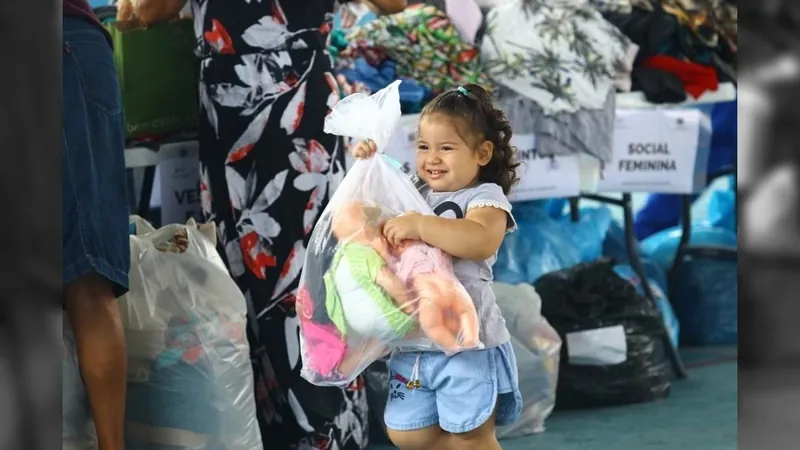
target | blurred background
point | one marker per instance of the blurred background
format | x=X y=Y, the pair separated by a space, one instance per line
x=769 y=258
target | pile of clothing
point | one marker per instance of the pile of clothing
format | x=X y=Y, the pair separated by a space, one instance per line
x=555 y=66
x=686 y=47
x=420 y=46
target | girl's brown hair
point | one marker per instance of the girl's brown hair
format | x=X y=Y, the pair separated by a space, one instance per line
x=473 y=105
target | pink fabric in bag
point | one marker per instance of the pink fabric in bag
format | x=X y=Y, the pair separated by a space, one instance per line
x=325 y=349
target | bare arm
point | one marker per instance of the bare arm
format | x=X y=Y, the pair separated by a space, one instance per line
x=93 y=311
x=387 y=6
x=477 y=236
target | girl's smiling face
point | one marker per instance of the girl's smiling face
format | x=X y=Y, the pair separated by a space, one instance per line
x=445 y=161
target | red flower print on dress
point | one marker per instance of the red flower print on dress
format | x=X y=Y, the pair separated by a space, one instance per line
x=205 y=192
x=268 y=33
x=293 y=113
x=257 y=258
x=251 y=135
x=219 y=39
x=335 y=95
x=290 y=271
x=255 y=227
x=313 y=162
x=277 y=12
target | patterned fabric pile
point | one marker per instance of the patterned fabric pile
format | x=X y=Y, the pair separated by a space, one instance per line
x=419 y=44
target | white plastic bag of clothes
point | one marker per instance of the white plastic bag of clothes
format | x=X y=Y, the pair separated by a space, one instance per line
x=538 y=349
x=190 y=382
x=77 y=432
x=359 y=296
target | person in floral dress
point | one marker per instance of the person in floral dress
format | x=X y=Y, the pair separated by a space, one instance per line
x=267 y=171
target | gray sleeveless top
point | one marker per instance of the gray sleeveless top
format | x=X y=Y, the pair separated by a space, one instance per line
x=476 y=276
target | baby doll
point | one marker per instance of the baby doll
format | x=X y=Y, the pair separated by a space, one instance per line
x=368 y=306
x=446 y=314
x=362 y=290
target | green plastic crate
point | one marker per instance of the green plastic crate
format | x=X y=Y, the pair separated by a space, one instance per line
x=157 y=72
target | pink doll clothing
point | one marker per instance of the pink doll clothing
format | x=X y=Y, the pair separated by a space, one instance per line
x=324 y=347
x=419 y=259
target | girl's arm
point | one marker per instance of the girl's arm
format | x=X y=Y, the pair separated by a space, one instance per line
x=476 y=237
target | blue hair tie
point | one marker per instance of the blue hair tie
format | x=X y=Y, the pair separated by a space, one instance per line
x=463 y=91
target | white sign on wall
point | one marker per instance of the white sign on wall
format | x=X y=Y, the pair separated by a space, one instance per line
x=179 y=177
x=656 y=151
x=544 y=176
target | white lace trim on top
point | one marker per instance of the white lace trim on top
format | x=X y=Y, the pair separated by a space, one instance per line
x=495 y=204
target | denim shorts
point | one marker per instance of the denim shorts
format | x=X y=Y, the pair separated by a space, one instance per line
x=94 y=200
x=459 y=392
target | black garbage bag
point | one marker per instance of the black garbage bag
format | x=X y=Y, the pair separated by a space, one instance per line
x=587 y=304
x=376 y=378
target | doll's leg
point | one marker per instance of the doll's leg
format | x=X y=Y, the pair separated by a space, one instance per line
x=433 y=321
x=360 y=354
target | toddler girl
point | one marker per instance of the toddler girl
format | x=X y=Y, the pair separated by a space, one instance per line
x=465 y=168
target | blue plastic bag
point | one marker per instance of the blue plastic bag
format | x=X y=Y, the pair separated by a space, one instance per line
x=615 y=247
x=413 y=95
x=706 y=302
x=542 y=245
x=661 y=247
x=662 y=302
x=705 y=296
x=722 y=209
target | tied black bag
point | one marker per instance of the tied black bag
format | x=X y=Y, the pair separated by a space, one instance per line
x=592 y=296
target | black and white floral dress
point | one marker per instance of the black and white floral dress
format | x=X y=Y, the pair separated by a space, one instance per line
x=267 y=170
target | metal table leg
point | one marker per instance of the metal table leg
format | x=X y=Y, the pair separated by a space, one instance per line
x=636 y=263
x=684 y=245
x=147 y=191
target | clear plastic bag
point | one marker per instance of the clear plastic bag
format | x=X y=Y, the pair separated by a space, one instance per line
x=190 y=381
x=360 y=297
x=537 y=347
x=77 y=432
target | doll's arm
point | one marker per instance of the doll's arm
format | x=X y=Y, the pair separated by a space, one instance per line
x=396 y=289
x=446 y=313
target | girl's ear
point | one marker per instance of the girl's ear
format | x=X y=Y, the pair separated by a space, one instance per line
x=485 y=152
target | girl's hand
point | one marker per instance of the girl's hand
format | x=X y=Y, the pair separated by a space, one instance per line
x=364 y=150
x=403 y=228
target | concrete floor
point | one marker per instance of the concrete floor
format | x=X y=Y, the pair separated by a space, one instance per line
x=701 y=413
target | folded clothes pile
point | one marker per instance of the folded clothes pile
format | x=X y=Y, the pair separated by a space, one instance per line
x=686 y=47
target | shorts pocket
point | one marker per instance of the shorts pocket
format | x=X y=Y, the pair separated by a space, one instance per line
x=94 y=60
x=481 y=362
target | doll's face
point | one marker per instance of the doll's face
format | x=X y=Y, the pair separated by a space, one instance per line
x=349 y=222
